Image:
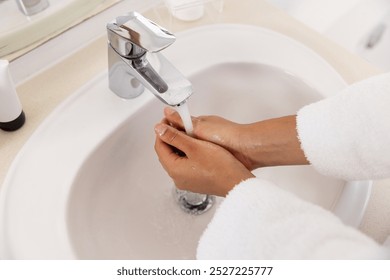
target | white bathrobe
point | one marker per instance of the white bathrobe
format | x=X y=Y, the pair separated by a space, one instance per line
x=345 y=136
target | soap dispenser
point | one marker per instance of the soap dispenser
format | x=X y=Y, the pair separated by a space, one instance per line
x=11 y=114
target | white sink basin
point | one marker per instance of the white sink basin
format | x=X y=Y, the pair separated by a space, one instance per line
x=89 y=185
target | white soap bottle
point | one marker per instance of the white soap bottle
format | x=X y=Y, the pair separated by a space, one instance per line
x=11 y=114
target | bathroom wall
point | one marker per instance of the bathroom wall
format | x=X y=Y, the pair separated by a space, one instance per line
x=361 y=26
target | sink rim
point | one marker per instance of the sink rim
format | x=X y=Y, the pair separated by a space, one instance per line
x=104 y=128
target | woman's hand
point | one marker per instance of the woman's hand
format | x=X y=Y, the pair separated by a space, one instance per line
x=205 y=168
x=266 y=143
x=220 y=131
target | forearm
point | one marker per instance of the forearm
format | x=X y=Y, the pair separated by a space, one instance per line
x=266 y=143
x=272 y=142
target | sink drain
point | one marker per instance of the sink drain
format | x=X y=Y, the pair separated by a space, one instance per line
x=193 y=203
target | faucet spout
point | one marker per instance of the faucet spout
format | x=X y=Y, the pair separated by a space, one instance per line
x=135 y=63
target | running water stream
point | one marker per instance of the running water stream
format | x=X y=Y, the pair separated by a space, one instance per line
x=193 y=203
x=185 y=116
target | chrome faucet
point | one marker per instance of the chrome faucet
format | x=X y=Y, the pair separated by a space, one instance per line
x=134 y=43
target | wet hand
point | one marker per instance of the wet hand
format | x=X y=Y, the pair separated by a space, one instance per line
x=220 y=131
x=204 y=168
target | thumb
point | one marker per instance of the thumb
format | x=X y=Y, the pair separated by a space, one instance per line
x=174 y=137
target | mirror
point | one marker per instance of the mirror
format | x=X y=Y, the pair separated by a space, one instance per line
x=19 y=33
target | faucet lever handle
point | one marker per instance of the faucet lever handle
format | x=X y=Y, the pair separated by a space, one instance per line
x=132 y=35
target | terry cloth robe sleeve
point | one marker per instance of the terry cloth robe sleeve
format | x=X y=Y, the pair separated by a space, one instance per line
x=348 y=135
x=258 y=220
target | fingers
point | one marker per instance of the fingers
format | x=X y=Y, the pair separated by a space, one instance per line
x=173 y=118
x=168 y=141
x=167 y=157
x=174 y=137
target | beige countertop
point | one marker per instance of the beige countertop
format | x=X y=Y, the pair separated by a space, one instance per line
x=41 y=94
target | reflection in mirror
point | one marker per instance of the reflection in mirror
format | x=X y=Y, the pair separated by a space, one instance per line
x=25 y=24
x=32 y=7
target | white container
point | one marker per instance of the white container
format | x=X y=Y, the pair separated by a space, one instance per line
x=173 y=14
x=186 y=10
x=11 y=113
